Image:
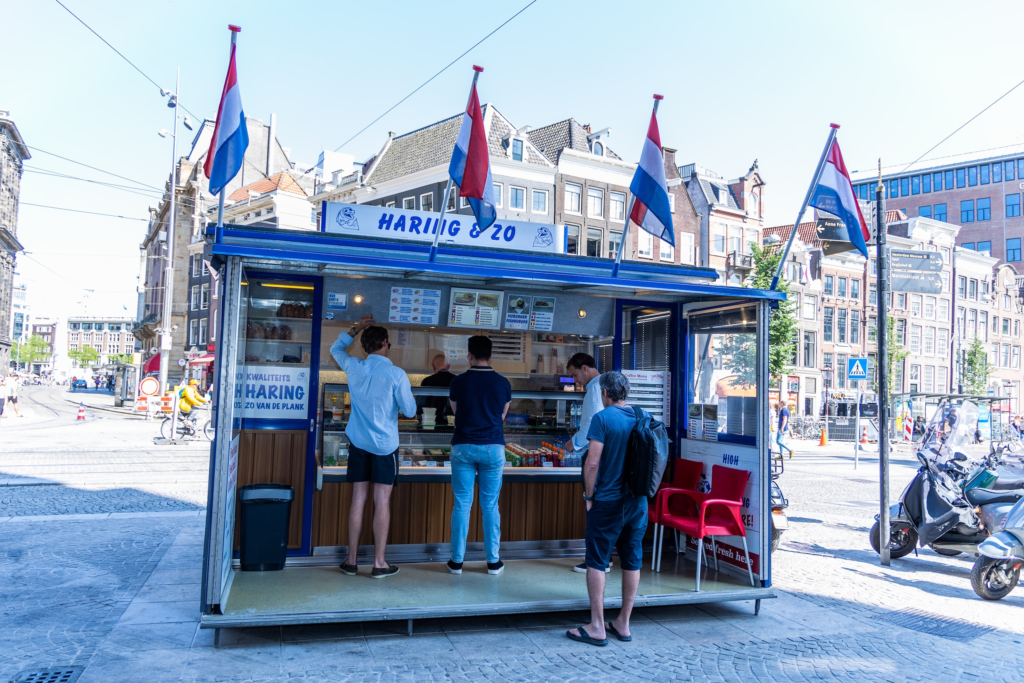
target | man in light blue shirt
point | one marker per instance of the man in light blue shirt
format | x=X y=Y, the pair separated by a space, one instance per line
x=378 y=390
x=583 y=369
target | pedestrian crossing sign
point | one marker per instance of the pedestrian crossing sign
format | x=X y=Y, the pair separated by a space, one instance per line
x=857 y=368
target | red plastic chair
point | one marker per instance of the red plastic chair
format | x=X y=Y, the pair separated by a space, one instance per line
x=718 y=513
x=685 y=477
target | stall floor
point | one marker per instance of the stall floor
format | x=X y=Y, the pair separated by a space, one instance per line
x=304 y=595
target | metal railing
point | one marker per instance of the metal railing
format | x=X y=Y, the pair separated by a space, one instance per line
x=739 y=261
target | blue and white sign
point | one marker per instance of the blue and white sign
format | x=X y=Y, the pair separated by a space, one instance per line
x=337 y=302
x=273 y=392
x=419 y=226
x=857 y=368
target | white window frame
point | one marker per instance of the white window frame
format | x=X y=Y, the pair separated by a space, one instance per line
x=669 y=255
x=204 y=296
x=195 y=265
x=617 y=198
x=687 y=253
x=204 y=269
x=427 y=194
x=579 y=195
x=194 y=298
x=724 y=228
x=671 y=203
x=581 y=239
x=533 y=200
x=499 y=191
x=463 y=203
x=203 y=329
x=644 y=244
x=405 y=203
x=595 y=193
x=389 y=205
x=193 y=331
x=812 y=301
x=511 y=189
x=522 y=150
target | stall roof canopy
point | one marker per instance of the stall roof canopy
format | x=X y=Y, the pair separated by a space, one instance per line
x=274 y=249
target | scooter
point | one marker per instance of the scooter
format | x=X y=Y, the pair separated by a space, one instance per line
x=779 y=504
x=997 y=571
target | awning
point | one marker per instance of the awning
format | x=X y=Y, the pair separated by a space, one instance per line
x=205 y=359
x=153 y=364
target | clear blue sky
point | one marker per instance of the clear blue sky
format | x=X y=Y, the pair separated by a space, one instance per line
x=741 y=80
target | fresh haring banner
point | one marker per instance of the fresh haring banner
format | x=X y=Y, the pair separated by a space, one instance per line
x=272 y=392
x=363 y=220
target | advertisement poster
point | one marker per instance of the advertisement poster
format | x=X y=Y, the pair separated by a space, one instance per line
x=710 y=422
x=695 y=421
x=543 y=315
x=517 y=315
x=410 y=305
x=475 y=308
x=337 y=302
x=229 y=515
x=272 y=392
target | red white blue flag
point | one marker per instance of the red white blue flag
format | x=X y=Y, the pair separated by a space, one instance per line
x=470 y=167
x=834 y=194
x=651 y=209
x=230 y=137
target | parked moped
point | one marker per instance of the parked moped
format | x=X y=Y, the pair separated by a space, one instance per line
x=997 y=571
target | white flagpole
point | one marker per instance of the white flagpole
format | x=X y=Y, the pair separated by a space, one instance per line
x=803 y=207
x=625 y=229
x=220 y=201
x=439 y=226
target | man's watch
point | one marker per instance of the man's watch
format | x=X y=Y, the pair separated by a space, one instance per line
x=352 y=331
x=586 y=497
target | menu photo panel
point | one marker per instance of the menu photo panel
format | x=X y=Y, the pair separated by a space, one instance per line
x=476 y=308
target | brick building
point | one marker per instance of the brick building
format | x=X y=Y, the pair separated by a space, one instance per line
x=109 y=336
x=13 y=153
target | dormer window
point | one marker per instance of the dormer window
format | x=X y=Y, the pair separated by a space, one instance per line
x=598 y=149
x=517 y=150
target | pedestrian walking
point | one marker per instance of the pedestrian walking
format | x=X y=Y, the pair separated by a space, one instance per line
x=614 y=516
x=783 y=430
x=479 y=399
x=10 y=391
x=378 y=390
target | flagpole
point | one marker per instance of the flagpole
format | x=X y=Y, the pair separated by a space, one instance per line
x=439 y=226
x=803 y=207
x=625 y=230
x=220 y=202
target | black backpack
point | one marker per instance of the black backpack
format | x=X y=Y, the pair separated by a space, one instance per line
x=646 y=456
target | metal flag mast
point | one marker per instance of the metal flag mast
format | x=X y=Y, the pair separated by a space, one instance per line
x=235 y=30
x=439 y=226
x=632 y=201
x=881 y=228
x=803 y=207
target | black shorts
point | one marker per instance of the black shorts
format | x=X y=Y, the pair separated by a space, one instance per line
x=620 y=523
x=13 y=399
x=2 y=405
x=367 y=466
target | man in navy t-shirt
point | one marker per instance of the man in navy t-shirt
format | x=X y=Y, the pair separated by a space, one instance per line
x=614 y=516
x=783 y=430
x=479 y=399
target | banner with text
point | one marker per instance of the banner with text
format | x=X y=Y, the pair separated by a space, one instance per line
x=272 y=392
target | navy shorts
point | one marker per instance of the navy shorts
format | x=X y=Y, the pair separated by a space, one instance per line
x=367 y=466
x=620 y=523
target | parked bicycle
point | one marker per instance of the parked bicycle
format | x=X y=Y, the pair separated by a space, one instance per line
x=189 y=426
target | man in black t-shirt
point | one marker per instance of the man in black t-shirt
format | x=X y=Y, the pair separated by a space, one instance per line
x=442 y=377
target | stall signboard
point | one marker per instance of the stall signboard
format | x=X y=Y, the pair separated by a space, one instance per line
x=413 y=305
x=475 y=308
x=710 y=422
x=229 y=518
x=650 y=390
x=517 y=317
x=543 y=316
x=363 y=220
x=695 y=421
x=272 y=392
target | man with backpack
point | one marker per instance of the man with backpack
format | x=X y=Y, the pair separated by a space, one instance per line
x=615 y=517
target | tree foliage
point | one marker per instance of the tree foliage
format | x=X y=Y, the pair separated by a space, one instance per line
x=84 y=356
x=782 y=328
x=897 y=352
x=974 y=368
x=32 y=350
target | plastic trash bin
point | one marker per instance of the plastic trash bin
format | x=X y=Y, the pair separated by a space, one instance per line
x=265 y=511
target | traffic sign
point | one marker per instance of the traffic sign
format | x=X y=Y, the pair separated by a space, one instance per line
x=149 y=386
x=857 y=368
x=182 y=362
x=915 y=271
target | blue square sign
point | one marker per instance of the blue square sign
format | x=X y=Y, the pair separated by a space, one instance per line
x=857 y=368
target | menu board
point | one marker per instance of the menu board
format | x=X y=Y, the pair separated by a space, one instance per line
x=517 y=315
x=411 y=305
x=508 y=346
x=650 y=390
x=543 y=315
x=710 y=422
x=695 y=421
x=475 y=308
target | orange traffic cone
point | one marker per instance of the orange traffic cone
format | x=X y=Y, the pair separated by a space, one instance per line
x=81 y=412
x=823 y=441
x=864 y=434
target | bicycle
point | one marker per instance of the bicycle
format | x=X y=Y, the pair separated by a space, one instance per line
x=188 y=427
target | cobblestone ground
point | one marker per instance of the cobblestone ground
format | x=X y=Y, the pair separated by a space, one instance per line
x=102 y=539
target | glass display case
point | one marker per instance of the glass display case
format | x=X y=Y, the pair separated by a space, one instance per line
x=543 y=416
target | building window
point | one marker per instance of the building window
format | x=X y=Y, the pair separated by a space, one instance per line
x=943 y=313
x=901 y=301
x=498 y=192
x=809 y=357
x=451 y=198
x=972 y=289
x=926 y=183
x=961 y=287
x=517 y=150
x=872 y=329
x=718 y=243
x=1013 y=250
x=594 y=236
x=1008 y=169
x=1012 y=205
x=645 y=244
x=985 y=209
x=204 y=297
x=985 y=248
x=855 y=327
x=573 y=196
x=193 y=332
x=993 y=356
x=939 y=211
x=671 y=203
x=409 y=203
x=915 y=339
x=929 y=341
x=194 y=299
x=841 y=370
x=894 y=188
x=929 y=378
x=74 y=336
x=687 y=252
x=1015 y=359
x=915 y=185
x=937 y=181
x=427 y=202
x=540 y=201
x=983 y=174
x=915 y=377
x=827 y=323
x=997 y=173
x=841 y=326
x=572 y=239
x=967 y=211
x=614 y=241
x=929 y=307
x=1016 y=329
x=872 y=294
x=841 y=290
x=854 y=289
x=595 y=202
x=972 y=322
x=904 y=187
x=924 y=211
x=961 y=177
x=666 y=251
x=517 y=198
x=598 y=149
x=1004 y=360
x=202 y=331
x=829 y=281
x=1006 y=326
x=915 y=305
x=810 y=301
x=463 y=203
x=618 y=206
x=1006 y=302
x=195 y=265
x=972 y=176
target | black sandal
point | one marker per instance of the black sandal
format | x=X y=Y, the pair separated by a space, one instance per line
x=584 y=637
x=611 y=629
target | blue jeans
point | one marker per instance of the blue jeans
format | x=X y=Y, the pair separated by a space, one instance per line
x=781 y=440
x=468 y=461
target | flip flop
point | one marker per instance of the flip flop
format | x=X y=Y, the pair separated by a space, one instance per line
x=584 y=637
x=611 y=629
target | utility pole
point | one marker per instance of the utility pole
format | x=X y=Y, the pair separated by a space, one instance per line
x=166 y=338
x=883 y=370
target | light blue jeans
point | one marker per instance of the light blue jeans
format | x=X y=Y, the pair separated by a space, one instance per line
x=781 y=441
x=468 y=461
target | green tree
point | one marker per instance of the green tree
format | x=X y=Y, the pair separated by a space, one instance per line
x=974 y=368
x=84 y=356
x=32 y=350
x=897 y=352
x=122 y=358
x=782 y=328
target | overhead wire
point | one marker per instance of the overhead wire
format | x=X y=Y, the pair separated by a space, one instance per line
x=152 y=194
x=450 y=64
x=137 y=182
x=91 y=213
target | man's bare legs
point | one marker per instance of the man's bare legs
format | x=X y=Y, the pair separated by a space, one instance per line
x=595 y=589
x=630 y=583
x=381 y=521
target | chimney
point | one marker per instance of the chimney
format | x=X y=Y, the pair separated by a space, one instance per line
x=270 y=142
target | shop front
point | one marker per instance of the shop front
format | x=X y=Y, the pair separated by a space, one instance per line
x=684 y=343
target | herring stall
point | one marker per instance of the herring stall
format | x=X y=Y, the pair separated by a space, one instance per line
x=695 y=353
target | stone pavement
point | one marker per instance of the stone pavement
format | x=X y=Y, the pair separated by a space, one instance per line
x=107 y=578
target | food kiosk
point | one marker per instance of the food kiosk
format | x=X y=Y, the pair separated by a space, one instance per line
x=695 y=353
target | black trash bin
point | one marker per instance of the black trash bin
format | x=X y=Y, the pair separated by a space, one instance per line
x=266 y=509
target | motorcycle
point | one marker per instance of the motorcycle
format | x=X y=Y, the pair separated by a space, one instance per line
x=997 y=571
x=779 y=504
x=938 y=508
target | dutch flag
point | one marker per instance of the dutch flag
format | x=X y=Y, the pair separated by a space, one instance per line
x=834 y=193
x=470 y=167
x=230 y=137
x=650 y=191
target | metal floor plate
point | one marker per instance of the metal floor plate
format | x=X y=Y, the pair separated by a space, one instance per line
x=65 y=675
x=943 y=627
